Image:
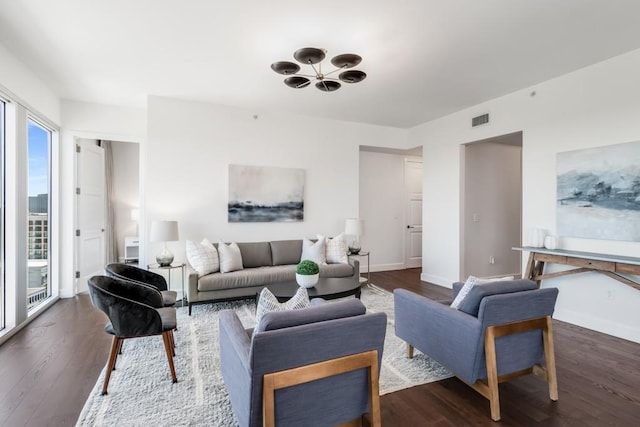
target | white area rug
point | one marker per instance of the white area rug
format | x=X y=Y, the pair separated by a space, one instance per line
x=141 y=392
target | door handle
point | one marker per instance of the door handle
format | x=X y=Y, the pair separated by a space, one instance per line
x=411 y=226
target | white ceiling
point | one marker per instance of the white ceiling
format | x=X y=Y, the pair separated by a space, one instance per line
x=423 y=58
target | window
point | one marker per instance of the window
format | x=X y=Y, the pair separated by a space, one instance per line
x=38 y=185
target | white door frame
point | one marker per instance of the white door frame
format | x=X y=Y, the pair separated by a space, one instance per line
x=73 y=136
x=410 y=227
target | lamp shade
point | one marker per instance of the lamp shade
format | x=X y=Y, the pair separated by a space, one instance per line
x=353 y=227
x=164 y=231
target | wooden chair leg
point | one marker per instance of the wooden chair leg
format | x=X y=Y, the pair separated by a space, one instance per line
x=173 y=344
x=120 y=347
x=409 y=351
x=167 y=346
x=550 y=360
x=374 y=391
x=492 y=373
x=116 y=343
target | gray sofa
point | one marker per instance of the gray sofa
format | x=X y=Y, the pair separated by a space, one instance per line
x=298 y=338
x=263 y=263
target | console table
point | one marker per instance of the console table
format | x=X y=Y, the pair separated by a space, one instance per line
x=609 y=265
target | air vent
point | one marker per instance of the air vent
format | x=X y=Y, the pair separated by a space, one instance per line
x=480 y=120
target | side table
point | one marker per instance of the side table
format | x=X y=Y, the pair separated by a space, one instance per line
x=170 y=268
x=364 y=254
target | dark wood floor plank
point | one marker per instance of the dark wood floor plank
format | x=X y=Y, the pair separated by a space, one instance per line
x=48 y=369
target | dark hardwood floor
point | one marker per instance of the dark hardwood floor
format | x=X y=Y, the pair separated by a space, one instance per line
x=48 y=369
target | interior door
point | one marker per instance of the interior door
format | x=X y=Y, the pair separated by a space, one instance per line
x=413 y=206
x=90 y=204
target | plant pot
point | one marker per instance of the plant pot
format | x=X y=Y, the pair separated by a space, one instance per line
x=307 y=281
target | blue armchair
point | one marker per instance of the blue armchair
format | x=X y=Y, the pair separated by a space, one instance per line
x=316 y=366
x=502 y=330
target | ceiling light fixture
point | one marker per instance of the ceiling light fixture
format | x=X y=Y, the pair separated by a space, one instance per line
x=313 y=56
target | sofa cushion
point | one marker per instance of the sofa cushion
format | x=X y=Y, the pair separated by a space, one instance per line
x=230 y=257
x=336 y=270
x=471 y=303
x=314 y=251
x=203 y=257
x=246 y=278
x=285 y=252
x=336 y=249
x=316 y=313
x=255 y=254
x=268 y=303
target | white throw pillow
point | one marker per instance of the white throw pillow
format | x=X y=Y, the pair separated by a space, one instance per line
x=315 y=252
x=469 y=284
x=268 y=302
x=203 y=257
x=230 y=257
x=336 y=249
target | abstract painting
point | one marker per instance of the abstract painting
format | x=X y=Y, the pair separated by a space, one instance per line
x=265 y=194
x=598 y=192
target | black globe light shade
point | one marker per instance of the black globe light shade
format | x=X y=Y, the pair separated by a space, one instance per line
x=346 y=60
x=352 y=76
x=325 y=81
x=328 y=85
x=309 y=55
x=297 y=82
x=285 y=67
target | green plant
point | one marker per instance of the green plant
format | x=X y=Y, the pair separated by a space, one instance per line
x=307 y=268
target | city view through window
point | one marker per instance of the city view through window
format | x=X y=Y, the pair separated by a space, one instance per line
x=39 y=143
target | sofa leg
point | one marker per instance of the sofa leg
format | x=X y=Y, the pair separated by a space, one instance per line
x=409 y=351
x=190 y=309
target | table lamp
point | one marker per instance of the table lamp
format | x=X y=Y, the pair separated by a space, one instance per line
x=164 y=231
x=353 y=227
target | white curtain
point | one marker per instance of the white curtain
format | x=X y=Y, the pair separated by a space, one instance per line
x=110 y=214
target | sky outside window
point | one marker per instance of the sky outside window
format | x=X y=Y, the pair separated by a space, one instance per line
x=38 y=160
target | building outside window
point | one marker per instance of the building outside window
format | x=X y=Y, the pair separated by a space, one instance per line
x=39 y=168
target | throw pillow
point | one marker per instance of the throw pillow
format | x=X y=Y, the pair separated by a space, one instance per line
x=203 y=257
x=230 y=257
x=268 y=303
x=469 y=284
x=336 y=252
x=315 y=252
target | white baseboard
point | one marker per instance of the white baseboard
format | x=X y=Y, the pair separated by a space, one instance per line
x=437 y=280
x=605 y=326
x=383 y=267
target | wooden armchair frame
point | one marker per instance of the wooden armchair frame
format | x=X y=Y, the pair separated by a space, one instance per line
x=489 y=388
x=315 y=371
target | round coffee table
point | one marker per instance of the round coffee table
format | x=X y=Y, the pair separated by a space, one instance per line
x=327 y=288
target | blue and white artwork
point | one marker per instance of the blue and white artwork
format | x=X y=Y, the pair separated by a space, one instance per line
x=599 y=192
x=265 y=194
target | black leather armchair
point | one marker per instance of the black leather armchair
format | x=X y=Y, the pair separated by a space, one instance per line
x=144 y=277
x=134 y=311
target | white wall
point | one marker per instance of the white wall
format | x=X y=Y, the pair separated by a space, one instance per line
x=595 y=106
x=126 y=189
x=382 y=209
x=86 y=120
x=190 y=146
x=23 y=83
